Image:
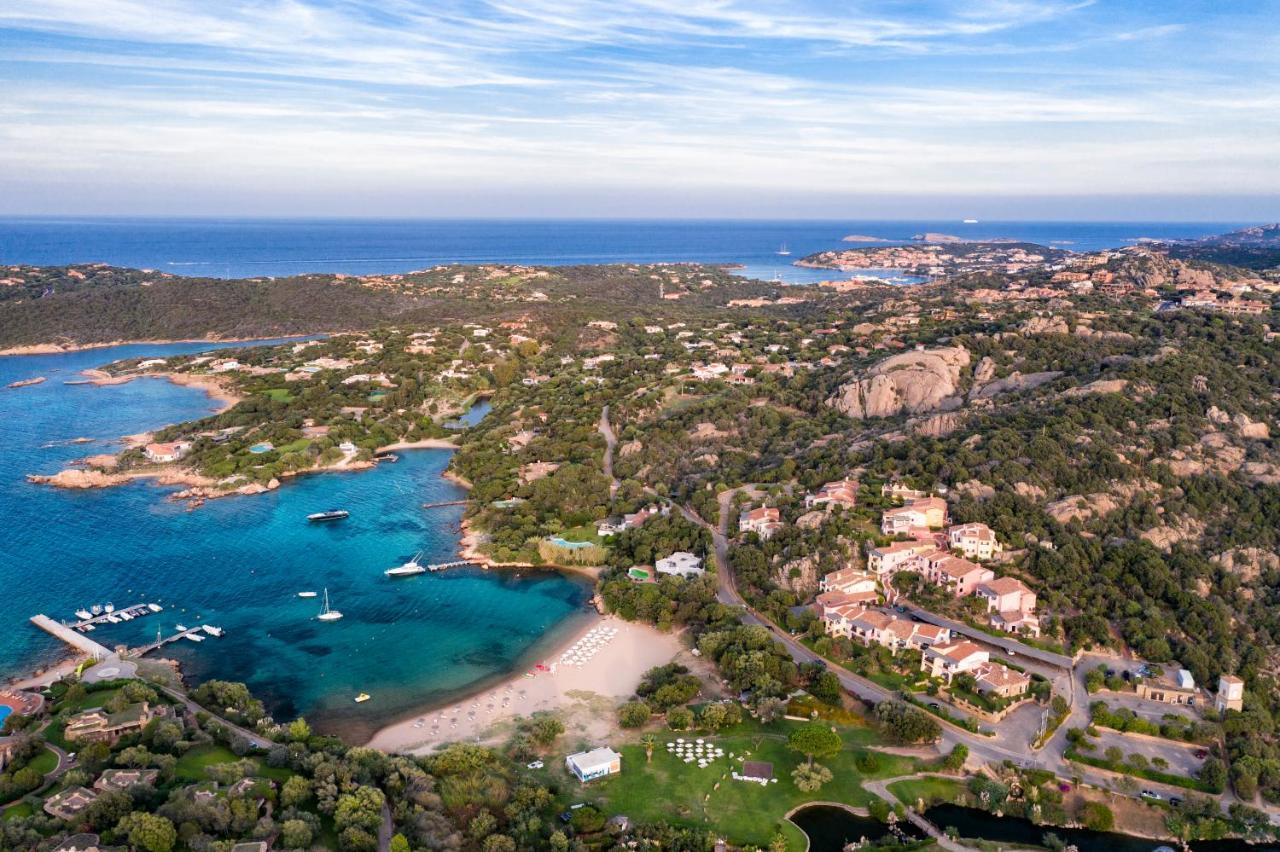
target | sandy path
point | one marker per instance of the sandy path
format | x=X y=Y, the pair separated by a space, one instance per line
x=611 y=674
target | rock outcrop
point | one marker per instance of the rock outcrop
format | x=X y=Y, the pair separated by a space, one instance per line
x=1015 y=381
x=910 y=383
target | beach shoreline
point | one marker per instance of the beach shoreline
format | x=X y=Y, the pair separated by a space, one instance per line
x=65 y=348
x=612 y=673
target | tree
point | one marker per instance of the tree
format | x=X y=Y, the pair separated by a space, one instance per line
x=649 y=741
x=1213 y=773
x=295 y=792
x=296 y=834
x=905 y=724
x=814 y=739
x=1097 y=816
x=955 y=760
x=713 y=717
x=299 y=730
x=679 y=718
x=810 y=777
x=150 y=832
x=361 y=808
x=545 y=728
x=633 y=714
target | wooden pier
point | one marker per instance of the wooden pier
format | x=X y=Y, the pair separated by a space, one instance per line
x=76 y=640
x=443 y=503
x=440 y=566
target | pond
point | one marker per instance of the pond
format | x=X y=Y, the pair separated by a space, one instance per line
x=829 y=828
x=473 y=416
x=975 y=823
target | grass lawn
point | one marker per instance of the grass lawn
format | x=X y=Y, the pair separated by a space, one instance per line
x=582 y=533
x=44 y=762
x=933 y=790
x=93 y=699
x=279 y=394
x=22 y=809
x=191 y=765
x=671 y=790
x=295 y=446
x=54 y=734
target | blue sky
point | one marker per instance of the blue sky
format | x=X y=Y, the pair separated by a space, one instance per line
x=995 y=108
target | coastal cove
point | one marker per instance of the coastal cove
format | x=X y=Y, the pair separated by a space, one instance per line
x=239 y=563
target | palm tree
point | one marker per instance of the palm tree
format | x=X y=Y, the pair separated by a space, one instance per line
x=649 y=741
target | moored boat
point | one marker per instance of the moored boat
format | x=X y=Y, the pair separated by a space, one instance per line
x=154 y=607
x=362 y=698
x=328 y=515
x=83 y=614
x=211 y=630
x=306 y=594
x=408 y=569
x=328 y=614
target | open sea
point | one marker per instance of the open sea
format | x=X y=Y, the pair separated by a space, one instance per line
x=241 y=248
x=239 y=563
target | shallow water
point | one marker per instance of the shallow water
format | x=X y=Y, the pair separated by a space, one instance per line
x=239 y=562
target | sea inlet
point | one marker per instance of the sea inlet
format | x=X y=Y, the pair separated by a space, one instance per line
x=239 y=563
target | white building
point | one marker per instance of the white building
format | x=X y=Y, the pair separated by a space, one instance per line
x=597 y=763
x=681 y=563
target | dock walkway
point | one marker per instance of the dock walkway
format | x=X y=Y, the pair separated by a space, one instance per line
x=440 y=566
x=71 y=637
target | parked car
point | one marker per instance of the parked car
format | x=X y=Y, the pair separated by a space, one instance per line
x=1175 y=801
x=1201 y=753
x=1151 y=794
x=537 y=764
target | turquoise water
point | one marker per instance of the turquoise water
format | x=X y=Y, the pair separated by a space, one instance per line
x=239 y=562
x=5 y=712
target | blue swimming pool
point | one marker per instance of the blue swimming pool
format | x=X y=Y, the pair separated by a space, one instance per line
x=568 y=545
x=5 y=712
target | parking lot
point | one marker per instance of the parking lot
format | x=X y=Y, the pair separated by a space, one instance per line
x=1181 y=758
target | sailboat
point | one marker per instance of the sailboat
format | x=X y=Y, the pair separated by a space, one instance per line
x=328 y=614
x=783 y=250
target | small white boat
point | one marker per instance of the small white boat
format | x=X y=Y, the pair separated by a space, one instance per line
x=112 y=619
x=96 y=609
x=154 y=607
x=328 y=614
x=362 y=698
x=83 y=614
x=124 y=616
x=194 y=637
x=211 y=630
x=86 y=628
x=306 y=594
x=109 y=608
x=181 y=628
x=783 y=250
x=408 y=569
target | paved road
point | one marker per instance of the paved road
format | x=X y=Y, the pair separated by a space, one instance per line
x=193 y=708
x=1009 y=646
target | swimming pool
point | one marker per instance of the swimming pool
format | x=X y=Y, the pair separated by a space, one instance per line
x=568 y=545
x=5 y=712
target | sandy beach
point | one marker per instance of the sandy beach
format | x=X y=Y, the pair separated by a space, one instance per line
x=424 y=444
x=624 y=652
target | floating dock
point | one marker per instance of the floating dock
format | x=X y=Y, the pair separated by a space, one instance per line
x=76 y=640
x=135 y=611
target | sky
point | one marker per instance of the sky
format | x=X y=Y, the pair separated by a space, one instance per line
x=1067 y=109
